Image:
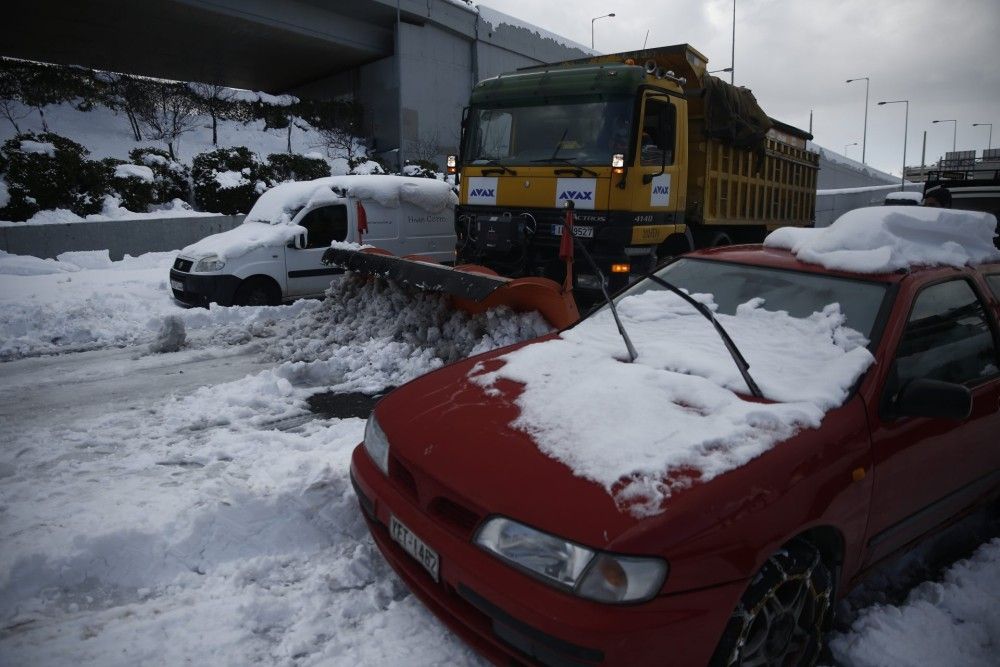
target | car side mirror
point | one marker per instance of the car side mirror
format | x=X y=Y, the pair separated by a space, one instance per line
x=934 y=399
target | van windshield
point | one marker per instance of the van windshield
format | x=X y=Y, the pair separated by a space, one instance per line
x=586 y=131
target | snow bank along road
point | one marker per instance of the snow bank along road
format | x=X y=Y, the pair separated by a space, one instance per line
x=186 y=506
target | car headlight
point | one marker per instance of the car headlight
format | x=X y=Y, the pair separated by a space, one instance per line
x=210 y=263
x=376 y=444
x=591 y=574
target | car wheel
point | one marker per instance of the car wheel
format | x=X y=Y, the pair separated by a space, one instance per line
x=781 y=618
x=257 y=293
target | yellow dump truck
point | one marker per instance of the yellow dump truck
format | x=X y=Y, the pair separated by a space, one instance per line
x=657 y=157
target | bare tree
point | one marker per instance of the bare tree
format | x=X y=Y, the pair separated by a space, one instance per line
x=216 y=99
x=339 y=141
x=172 y=113
x=11 y=107
x=130 y=94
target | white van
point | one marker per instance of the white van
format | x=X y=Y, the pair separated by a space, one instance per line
x=274 y=256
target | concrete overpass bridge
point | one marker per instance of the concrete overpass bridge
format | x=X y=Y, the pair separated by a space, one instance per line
x=411 y=63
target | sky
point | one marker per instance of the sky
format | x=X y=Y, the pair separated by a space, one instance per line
x=796 y=56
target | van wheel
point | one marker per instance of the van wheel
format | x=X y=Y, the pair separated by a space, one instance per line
x=781 y=618
x=257 y=292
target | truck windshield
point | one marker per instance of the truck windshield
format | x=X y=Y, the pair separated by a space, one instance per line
x=581 y=131
x=798 y=293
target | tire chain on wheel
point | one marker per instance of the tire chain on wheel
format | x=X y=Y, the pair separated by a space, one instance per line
x=746 y=617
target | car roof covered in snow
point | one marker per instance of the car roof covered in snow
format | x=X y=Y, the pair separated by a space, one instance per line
x=280 y=204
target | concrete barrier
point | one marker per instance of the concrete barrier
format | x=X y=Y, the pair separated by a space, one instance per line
x=119 y=237
x=831 y=204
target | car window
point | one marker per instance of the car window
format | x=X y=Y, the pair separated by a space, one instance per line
x=325 y=225
x=947 y=337
x=994 y=283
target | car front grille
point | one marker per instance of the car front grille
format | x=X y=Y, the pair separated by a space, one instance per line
x=183 y=265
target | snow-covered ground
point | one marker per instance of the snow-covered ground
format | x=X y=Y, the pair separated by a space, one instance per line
x=187 y=507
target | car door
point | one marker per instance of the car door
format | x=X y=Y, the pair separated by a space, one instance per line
x=307 y=275
x=927 y=469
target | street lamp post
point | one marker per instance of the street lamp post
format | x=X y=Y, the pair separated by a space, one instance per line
x=954 y=135
x=611 y=15
x=864 y=137
x=846 y=146
x=732 y=55
x=906 y=127
x=989 y=142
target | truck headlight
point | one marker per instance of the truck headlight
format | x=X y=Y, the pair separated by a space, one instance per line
x=210 y=263
x=585 y=572
x=376 y=444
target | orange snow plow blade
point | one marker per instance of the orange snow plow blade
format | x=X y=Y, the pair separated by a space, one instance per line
x=472 y=288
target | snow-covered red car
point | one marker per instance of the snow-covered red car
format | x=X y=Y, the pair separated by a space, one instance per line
x=558 y=502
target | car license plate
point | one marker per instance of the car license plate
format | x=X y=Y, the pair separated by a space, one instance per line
x=177 y=285
x=582 y=232
x=414 y=546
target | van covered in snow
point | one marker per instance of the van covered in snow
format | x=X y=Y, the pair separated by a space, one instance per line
x=275 y=255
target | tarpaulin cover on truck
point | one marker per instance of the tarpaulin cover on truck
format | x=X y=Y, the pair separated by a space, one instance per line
x=733 y=116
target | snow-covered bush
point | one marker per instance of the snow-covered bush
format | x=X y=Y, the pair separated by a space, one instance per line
x=366 y=165
x=47 y=171
x=228 y=180
x=291 y=167
x=421 y=169
x=132 y=184
x=171 y=179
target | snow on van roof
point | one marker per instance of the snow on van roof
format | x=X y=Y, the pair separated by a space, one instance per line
x=883 y=239
x=907 y=195
x=279 y=204
x=674 y=417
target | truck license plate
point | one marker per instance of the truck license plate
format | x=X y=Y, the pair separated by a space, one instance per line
x=177 y=285
x=582 y=232
x=414 y=546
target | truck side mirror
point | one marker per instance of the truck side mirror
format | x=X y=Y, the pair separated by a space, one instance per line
x=933 y=399
x=299 y=241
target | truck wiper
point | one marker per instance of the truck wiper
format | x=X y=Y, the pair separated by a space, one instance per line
x=741 y=363
x=632 y=354
x=577 y=169
x=499 y=167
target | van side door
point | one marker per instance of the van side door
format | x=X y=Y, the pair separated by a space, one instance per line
x=307 y=275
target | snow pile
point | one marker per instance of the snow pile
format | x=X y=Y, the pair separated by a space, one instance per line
x=369 y=335
x=39 y=147
x=85 y=301
x=111 y=210
x=171 y=336
x=240 y=240
x=887 y=238
x=952 y=622
x=676 y=408
x=282 y=202
x=229 y=180
x=139 y=171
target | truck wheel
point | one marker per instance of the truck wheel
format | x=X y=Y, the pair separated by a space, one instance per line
x=781 y=618
x=257 y=292
x=720 y=239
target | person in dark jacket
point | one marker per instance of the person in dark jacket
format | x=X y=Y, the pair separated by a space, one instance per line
x=939 y=197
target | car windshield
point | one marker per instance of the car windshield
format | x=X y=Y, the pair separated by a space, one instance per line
x=583 y=131
x=798 y=293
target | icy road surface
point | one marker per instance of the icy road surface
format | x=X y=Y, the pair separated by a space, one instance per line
x=187 y=508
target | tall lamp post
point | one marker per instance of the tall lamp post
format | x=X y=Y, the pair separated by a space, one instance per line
x=606 y=16
x=989 y=143
x=846 y=146
x=864 y=137
x=906 y=127
x=732 y=55
x=954 y=135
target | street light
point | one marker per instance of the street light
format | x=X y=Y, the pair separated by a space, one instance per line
x=906 y=127
x=848 y=146
x=864 y=138
x=611 y=15
x=732 y=55
x=989 y=143
x=954 y=136
x=727 y=69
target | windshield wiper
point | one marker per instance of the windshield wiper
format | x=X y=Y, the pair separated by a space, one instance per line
x=734 y=352
x=576 y=168
x=499 y=168
x=632 y=354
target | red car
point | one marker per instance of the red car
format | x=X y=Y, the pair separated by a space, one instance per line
x=531 y=563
